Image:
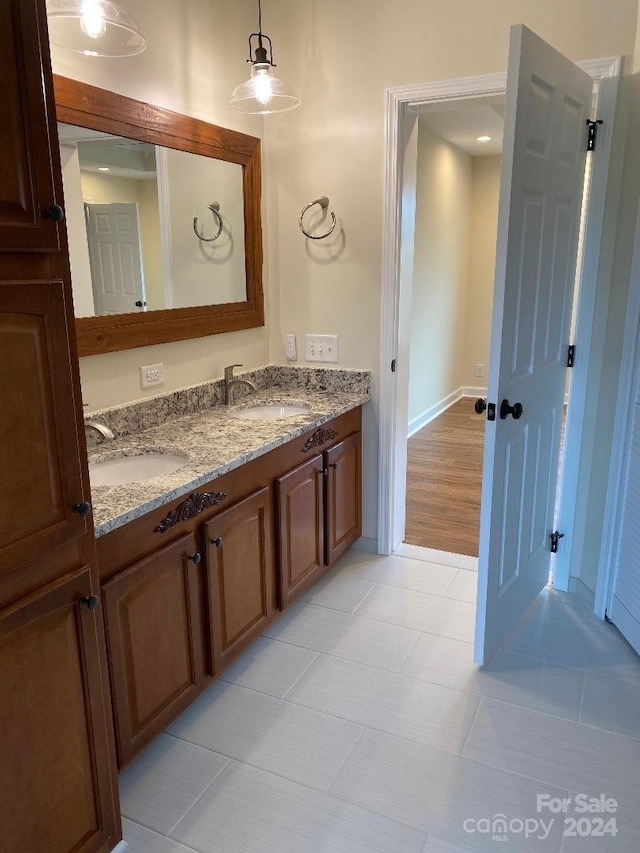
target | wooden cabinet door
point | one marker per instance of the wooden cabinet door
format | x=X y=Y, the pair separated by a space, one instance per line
x=27 y=130
x=39 y=455
x=241 y=575
x=55 y=783
x=343 y=506
x=299 y=497
x=155 y=642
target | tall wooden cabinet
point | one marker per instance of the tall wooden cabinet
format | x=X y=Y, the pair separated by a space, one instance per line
x=57 y=784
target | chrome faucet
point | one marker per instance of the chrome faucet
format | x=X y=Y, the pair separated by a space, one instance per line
x=230 y=384
x=102 y=430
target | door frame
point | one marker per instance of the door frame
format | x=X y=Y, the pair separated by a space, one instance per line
x=401 y=130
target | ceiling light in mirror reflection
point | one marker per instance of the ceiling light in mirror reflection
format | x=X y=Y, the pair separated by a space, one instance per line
x=131 y=238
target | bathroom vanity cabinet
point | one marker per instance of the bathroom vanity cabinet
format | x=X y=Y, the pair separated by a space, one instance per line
x=190 y=585
x=58 y=784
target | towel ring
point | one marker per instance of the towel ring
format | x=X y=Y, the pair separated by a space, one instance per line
x=214 y=207
x=324 y=204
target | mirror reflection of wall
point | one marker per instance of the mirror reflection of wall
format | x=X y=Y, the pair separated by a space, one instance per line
x=130 y=208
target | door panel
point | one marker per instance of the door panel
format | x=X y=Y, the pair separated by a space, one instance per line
x=343 y=496
x=300 y=528
x=548 y=102
x=39 y=455
x=154 y=636
x=55 y=785
x=26 y=131
x=241 y=575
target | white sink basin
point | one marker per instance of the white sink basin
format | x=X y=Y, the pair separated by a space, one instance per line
x=269 y=412
x=134 y=469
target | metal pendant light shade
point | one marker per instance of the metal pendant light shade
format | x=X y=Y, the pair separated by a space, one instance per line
x=94 y=27
x=263 y=92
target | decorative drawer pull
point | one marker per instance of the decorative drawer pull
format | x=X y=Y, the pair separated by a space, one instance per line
x=83 y=508
x=190 y=508
x=91 y=601
x=195 y=558
x=217 y=542
x=333 y=465
x=54 y=212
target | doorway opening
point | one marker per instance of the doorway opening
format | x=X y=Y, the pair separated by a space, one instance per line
x=403 y=107
x=459 y=150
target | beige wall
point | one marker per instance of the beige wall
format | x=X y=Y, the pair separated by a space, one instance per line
x=76 y=232
x=440 y=272
x=482 y=253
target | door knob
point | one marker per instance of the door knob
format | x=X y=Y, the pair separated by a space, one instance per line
x=140 y=303
x=217 y=542
x=54 y=212
x=480 y=405
x=83 y=508
x=91 y=601
x=195 y=558
x=507 y=409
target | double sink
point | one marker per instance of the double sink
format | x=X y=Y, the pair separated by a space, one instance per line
x=137 y=468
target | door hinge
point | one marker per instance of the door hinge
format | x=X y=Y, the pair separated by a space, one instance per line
x=555 y=538
x=571 y=355
x=393 y=366
x=592 y=133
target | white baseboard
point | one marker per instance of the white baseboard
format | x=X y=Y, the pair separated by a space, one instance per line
x=120 y=848
x=473 y=391
x=416 y=424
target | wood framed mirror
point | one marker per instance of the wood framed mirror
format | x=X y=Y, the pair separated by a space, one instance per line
x=103 y=111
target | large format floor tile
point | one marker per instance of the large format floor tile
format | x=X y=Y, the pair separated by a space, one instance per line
x=269 y=667
x=445 y=795
x=382 y=700
x=378 y=644
x=250 y=810
x=463 y=587
x=294 y=742
x=561 y=752
x=612 y=704
x=142 y=840
x=431 y=613
x=165 y=780
x=508 y=677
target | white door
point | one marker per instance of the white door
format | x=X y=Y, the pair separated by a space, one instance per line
x=115 y=256
x=547 y=106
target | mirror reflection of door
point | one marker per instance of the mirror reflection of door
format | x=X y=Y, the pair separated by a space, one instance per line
x=115 y=256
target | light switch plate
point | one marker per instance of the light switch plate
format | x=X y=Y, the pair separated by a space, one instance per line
x=321 y=348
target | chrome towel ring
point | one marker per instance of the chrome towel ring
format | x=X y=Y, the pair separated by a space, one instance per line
x=324 y=204
x=214 y=207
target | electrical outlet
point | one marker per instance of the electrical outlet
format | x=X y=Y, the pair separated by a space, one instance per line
x=321 y=348
x=152 y=374
x=479 y=369
x=290 y=348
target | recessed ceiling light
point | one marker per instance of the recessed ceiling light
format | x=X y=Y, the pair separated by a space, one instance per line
x=483 y=139
x=103 y=168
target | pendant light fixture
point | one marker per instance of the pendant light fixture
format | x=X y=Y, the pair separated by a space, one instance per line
x=263 y=92
x=94 y=27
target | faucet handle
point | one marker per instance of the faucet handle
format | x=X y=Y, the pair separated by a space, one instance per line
x=228 y=371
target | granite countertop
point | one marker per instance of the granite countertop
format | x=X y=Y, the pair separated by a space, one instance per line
x=214 y=442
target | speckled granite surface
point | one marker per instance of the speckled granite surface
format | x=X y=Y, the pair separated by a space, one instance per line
x=208 y=434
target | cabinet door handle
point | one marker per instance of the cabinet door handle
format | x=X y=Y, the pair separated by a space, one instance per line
x=195 y=558
x=333 y=464
x=83 y=508
x=91 y=601
x=217 y=542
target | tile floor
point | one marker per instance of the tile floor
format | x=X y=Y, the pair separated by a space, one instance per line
x=359 y=724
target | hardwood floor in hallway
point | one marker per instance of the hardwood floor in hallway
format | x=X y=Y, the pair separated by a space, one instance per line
x=444 y=481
